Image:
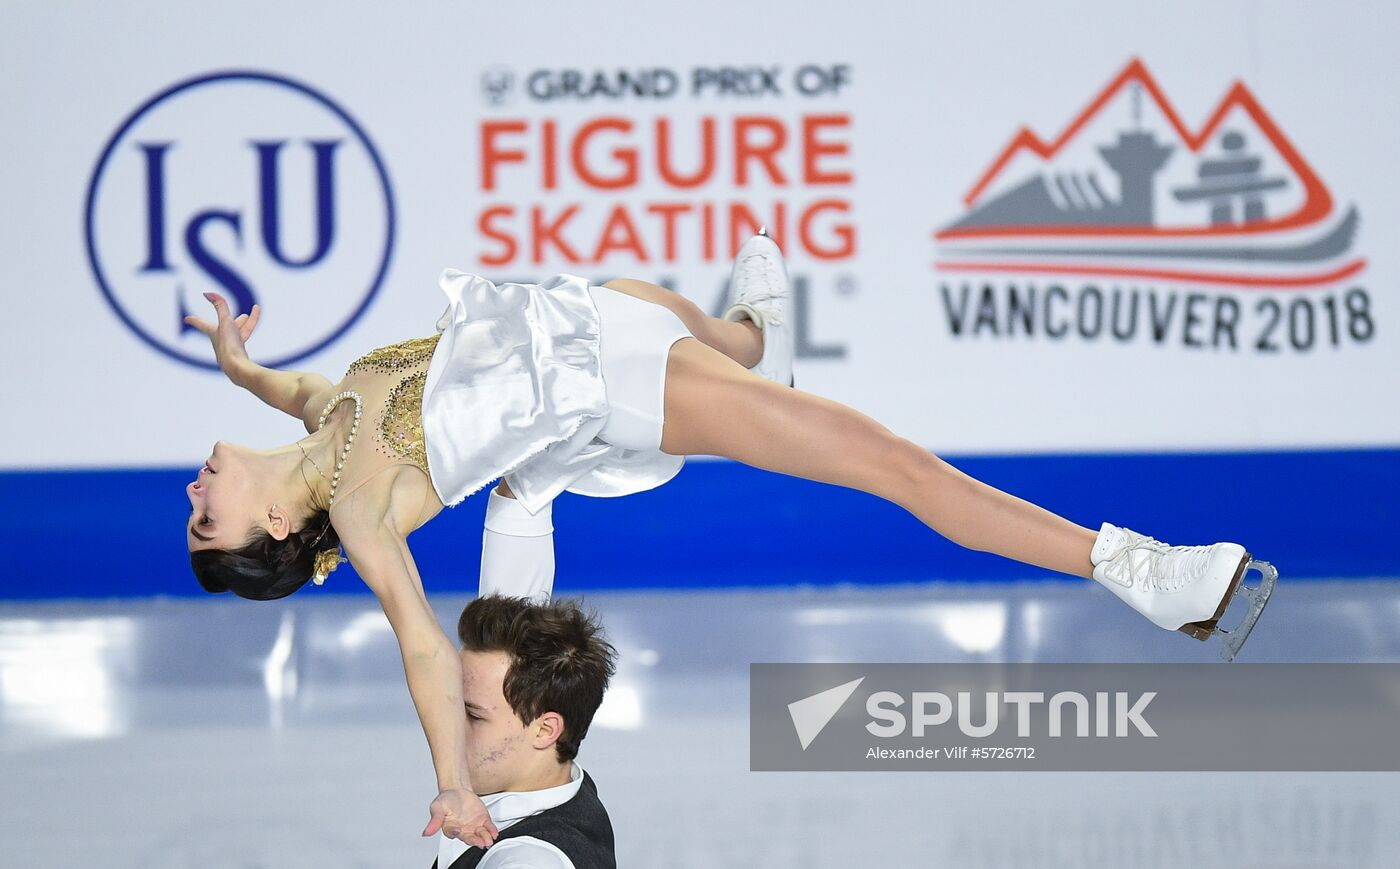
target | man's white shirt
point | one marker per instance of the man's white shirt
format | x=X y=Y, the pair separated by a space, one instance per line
x=517 y=550
x=521 y=852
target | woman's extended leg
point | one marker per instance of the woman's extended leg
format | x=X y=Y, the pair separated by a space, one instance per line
x=714 y=406
x=740 y=341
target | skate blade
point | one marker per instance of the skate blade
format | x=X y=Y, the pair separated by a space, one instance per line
x=1204 y=630
x=1257 y=597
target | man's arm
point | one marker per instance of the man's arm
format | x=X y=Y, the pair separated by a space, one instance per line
x=517 y=549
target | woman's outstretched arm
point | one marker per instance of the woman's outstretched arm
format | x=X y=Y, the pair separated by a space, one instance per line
x=433 y=671
x=288 y=391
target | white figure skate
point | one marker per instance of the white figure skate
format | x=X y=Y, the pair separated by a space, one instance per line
x=758 y=291
x=1182 y=588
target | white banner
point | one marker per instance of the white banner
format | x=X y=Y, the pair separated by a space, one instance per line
x=1083 y=227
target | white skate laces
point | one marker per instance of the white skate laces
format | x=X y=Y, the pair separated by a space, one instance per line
x=764 y=287
x=1136 y=559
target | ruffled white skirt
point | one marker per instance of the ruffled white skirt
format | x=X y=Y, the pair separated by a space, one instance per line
x=557 y=387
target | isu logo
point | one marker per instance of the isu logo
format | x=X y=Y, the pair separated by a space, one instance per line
x=1131 y=226
x=250 y=184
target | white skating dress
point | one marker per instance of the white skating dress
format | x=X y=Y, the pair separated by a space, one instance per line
x=518 y=387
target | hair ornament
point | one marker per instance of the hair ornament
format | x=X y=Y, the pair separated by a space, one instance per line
x=327 y=560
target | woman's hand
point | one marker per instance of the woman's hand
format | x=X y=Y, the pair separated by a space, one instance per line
x=462 y=815
x=228 y=335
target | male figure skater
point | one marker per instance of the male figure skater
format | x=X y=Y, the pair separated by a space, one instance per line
x=534 y=673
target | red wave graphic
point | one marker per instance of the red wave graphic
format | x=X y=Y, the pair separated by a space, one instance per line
x=1271 y=282
x=1317 y=202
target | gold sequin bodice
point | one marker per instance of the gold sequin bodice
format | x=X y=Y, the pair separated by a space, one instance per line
x=398 y=371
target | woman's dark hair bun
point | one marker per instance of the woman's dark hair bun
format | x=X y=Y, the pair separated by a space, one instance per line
x=265 y=568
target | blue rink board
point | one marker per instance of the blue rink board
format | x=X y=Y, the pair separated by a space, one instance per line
x=1316 y=514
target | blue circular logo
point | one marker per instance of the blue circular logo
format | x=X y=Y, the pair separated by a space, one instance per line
x=251 y=185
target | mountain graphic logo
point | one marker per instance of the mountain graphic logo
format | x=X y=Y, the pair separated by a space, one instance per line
x=811 y=715
x=1127 y=189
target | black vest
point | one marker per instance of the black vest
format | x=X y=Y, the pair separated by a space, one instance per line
x=579 y=827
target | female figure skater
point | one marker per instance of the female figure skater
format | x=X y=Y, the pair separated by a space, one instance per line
x=600 y=390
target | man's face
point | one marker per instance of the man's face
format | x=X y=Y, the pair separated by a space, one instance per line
x=499 y=744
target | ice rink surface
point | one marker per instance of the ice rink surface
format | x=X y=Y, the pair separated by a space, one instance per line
x=222 y=733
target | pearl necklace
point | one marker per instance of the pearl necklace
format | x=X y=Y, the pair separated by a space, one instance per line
x=349 y=440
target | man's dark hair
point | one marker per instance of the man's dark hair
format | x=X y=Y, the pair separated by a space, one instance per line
x=559 y=660
x=265 y=568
